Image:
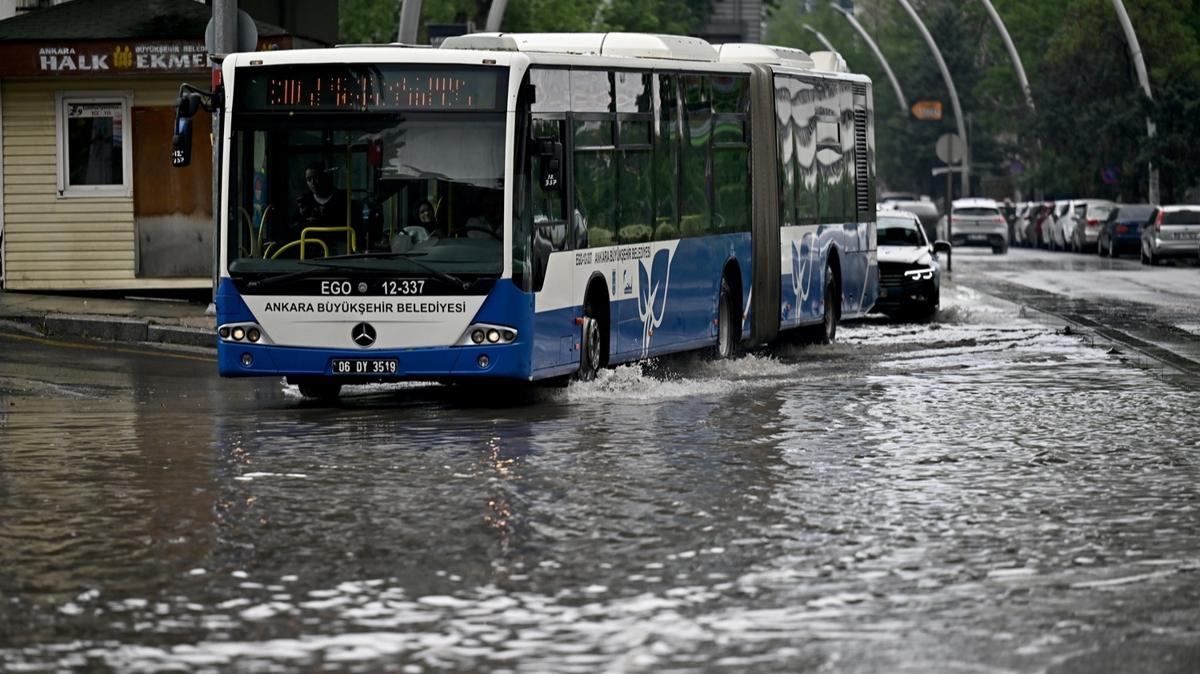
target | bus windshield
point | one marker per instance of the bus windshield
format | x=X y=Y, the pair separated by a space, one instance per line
x=408 y=193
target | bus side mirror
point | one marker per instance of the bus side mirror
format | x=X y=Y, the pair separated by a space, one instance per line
x=551 y=165
x=181 y=140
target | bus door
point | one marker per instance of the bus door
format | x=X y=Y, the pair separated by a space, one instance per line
x=552 y=242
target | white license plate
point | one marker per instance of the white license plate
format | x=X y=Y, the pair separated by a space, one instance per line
x=363 y=366
x=977 y=237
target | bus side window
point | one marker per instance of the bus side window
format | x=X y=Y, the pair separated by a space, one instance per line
x=547 y=205
x=696 y=193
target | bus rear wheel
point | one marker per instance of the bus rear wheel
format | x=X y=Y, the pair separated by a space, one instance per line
x=727 y=325
x=591 y=344
x=829 y=320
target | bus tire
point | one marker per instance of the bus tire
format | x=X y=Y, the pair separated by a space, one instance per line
x=319 y=390
x=727 y=326
x=829 y=320
x=591 y=342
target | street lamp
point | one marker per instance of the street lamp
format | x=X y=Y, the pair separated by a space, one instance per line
x=862 y=32
x=958 y=117
x=1135 y=53
x=821 y=38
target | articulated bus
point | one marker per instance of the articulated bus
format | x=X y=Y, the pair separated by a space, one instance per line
x=534 y=206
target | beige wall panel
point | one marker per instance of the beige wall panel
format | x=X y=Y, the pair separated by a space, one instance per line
x=81 y=265
x=75 y=246
x=56 y=243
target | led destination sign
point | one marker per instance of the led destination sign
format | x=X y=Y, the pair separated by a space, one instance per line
x=375 y=88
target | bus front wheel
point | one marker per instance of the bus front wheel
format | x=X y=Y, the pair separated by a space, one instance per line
x=319 y=390
x=591 y=346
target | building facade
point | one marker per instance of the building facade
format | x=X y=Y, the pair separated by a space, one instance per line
x=88 y=197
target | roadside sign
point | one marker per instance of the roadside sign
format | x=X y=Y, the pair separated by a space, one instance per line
x=950 y=148
x=927 y=111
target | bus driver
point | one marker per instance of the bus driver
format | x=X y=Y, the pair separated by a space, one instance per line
x=321 y=204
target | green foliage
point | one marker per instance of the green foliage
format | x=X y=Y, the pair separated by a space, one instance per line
x=368 y=21
x=378 y=20
x=1090 y=112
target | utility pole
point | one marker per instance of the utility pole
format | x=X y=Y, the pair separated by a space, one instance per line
x=958 y=116
x=225 y=18
x=495 y=16
x=1139 y=64
x=410 y=18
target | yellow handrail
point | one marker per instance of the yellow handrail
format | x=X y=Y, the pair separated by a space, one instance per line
x=301 y=242
x=351 y=238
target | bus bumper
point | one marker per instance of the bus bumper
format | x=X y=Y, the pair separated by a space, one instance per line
x=431 y=364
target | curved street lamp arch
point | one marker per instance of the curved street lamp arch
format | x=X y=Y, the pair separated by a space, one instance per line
x=1139 y=65
x=821 y=38
x=958 y=116
x=887 y=68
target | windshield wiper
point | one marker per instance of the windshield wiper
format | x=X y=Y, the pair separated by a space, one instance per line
x=438 y=274
x=332 y=263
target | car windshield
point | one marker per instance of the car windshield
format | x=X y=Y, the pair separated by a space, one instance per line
x=1134 y=213
x=899 y=232
x=1099 y=211
x=1185 y=217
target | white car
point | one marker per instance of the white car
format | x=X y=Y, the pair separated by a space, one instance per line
x=975 y=222
x=1052 y=227
x=1082 y=227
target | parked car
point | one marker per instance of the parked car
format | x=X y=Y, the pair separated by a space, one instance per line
x=1121 y=231
x=1022 y=229
x=975 y=222
x=1035 y=235
x=925 y=210
x=1083 y=226
x=1172 y=231
x=909 y=272
x=1052 y=227
x=1016 y=229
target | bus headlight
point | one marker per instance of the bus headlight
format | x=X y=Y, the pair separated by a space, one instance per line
x=243 y=332
x=480 y=334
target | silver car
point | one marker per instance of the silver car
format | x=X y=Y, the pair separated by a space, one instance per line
x=975 y=222
x=1171 y=232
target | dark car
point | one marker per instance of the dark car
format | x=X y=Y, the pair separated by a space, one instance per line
x=926 y=211
x=909 y=273
x=1121 y=231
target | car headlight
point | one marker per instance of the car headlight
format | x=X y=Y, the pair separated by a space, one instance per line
x=923 y=274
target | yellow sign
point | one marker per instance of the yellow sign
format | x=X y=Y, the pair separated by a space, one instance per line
x=927 y=111
x=122 y=57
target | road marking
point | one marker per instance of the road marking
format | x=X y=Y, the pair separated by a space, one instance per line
x=104 y=347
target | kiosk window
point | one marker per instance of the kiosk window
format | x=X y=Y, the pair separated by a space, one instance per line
x=94 y=149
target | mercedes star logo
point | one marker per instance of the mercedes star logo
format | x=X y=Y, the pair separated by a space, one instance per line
x=363 y=335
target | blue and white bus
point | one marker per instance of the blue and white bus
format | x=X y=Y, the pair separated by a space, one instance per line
x=531 y=207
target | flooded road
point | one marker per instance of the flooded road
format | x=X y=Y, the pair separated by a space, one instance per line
x=982 y=493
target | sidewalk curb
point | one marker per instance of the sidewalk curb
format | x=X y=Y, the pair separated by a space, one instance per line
x=113 y=329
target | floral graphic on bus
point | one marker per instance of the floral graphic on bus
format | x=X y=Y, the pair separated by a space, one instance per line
x=801 y=266
x=652 y=295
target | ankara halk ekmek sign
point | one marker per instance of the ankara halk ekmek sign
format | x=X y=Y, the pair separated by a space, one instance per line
x=927 y=111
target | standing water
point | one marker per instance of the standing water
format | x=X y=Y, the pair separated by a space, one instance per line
x=979 y=493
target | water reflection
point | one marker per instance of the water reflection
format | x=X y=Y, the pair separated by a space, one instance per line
x=975 y=493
